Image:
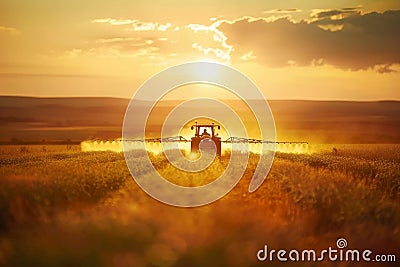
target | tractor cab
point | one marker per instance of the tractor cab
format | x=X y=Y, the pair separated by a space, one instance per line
x=205 y=133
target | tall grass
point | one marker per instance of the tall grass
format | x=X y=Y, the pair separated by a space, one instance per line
x=70 y=208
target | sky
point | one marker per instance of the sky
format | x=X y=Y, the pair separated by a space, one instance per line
x=305 y=49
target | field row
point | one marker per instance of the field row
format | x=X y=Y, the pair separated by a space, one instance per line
x=74 y=208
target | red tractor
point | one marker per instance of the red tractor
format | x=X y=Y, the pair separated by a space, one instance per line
x=208 y=139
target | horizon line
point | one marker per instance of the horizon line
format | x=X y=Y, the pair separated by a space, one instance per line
x=176 y=99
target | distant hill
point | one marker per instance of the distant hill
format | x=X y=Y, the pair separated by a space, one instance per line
x=31 y=119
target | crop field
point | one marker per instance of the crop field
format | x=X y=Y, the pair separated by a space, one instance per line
x=60 y=206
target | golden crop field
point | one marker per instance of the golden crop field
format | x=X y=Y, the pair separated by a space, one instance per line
x=60 y=206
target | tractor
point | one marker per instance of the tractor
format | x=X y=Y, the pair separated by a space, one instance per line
x=208 y=139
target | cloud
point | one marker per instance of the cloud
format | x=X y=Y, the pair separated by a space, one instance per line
x=331 y=27
x=217 y=46
x=282 y=10
x=116 y=40
x=334 y=14
x=115 y=21
x=352 y=8
x=352 y=41
x=248 y=56
x=385 y=68
x=10 y=30
x=134 y=38
x=136 y=24
x=160 y=41
x=153 y=43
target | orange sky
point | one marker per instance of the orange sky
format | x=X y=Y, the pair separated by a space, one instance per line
x=291 y=49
